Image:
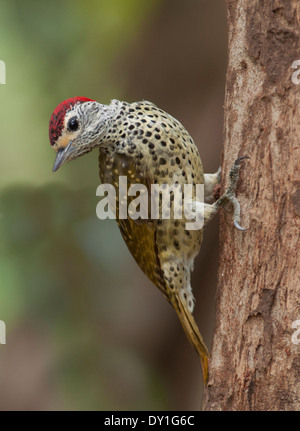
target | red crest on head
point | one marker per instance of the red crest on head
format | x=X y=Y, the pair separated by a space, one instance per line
x=57 y=118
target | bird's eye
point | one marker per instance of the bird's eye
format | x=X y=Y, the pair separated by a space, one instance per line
x=73 y=124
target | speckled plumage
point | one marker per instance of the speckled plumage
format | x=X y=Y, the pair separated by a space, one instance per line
x=148 y=146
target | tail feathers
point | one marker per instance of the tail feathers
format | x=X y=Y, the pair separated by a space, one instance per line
x=191 y=329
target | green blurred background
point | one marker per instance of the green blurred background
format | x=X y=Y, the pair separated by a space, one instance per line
x=85 y=328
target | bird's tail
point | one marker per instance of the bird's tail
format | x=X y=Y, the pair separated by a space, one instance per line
x=191 y=329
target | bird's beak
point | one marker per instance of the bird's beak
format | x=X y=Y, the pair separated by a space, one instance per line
x=63 y=154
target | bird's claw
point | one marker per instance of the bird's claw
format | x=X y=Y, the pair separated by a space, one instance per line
x=239 y=159
x=238 y=226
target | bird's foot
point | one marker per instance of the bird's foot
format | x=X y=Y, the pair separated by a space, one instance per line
x=230 y=193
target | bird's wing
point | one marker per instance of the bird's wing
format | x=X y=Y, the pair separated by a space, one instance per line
x=139 y=235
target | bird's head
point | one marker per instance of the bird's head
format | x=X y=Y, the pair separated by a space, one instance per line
x=74 y=128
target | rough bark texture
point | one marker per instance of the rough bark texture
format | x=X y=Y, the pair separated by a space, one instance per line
x=254 y=363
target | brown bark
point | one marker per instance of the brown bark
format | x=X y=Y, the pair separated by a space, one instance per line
x=255 y=365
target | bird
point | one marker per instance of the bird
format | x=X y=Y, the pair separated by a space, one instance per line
x=148 y=146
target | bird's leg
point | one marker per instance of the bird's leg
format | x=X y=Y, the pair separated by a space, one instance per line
x=210 y=181
x=228 y=196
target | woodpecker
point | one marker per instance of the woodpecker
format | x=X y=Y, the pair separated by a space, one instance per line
x=148 y=146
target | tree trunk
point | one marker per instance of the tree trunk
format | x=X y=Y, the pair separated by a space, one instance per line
x=255 y=358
